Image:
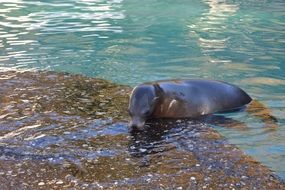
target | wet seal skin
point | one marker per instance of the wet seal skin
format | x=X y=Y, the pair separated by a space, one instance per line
x=183 y=99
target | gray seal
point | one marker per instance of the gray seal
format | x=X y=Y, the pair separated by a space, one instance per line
x=183 y=99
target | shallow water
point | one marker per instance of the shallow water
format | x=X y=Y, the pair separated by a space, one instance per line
x=129 y=42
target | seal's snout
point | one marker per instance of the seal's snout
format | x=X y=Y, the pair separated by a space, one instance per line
x=137 y=123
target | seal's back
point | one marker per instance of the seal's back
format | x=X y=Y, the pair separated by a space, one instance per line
x=193 y=98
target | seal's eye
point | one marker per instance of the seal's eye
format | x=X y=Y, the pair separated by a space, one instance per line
x=146 y=113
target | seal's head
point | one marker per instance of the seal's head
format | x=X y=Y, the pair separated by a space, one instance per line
x=142 y=103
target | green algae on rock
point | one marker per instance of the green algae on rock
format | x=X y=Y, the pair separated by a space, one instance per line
x=41 y=92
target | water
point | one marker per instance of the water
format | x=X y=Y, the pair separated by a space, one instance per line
x=131 y=41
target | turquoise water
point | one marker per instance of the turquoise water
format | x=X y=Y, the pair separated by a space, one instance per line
x=131 y=41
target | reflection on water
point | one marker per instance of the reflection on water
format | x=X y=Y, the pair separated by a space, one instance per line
x=108 y=37
x=240 y=38
x=64 y=131
x=44 y=35
x=214 y=23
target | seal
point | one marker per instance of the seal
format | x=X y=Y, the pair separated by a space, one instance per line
x=183 y=99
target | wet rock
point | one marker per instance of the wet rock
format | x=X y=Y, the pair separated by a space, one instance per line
x=62 y=131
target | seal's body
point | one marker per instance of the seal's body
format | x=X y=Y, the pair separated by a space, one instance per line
x=183 y=99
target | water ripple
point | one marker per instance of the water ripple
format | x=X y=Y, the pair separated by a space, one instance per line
x=25 y=25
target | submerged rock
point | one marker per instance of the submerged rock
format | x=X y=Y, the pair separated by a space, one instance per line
x=62 y=131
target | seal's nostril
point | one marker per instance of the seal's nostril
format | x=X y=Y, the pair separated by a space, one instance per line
x=132 y=125
x=137 y=123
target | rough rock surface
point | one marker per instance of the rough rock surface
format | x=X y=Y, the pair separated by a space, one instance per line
x=62 y=131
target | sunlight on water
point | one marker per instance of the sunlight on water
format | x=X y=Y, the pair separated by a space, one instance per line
x=131 y=41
